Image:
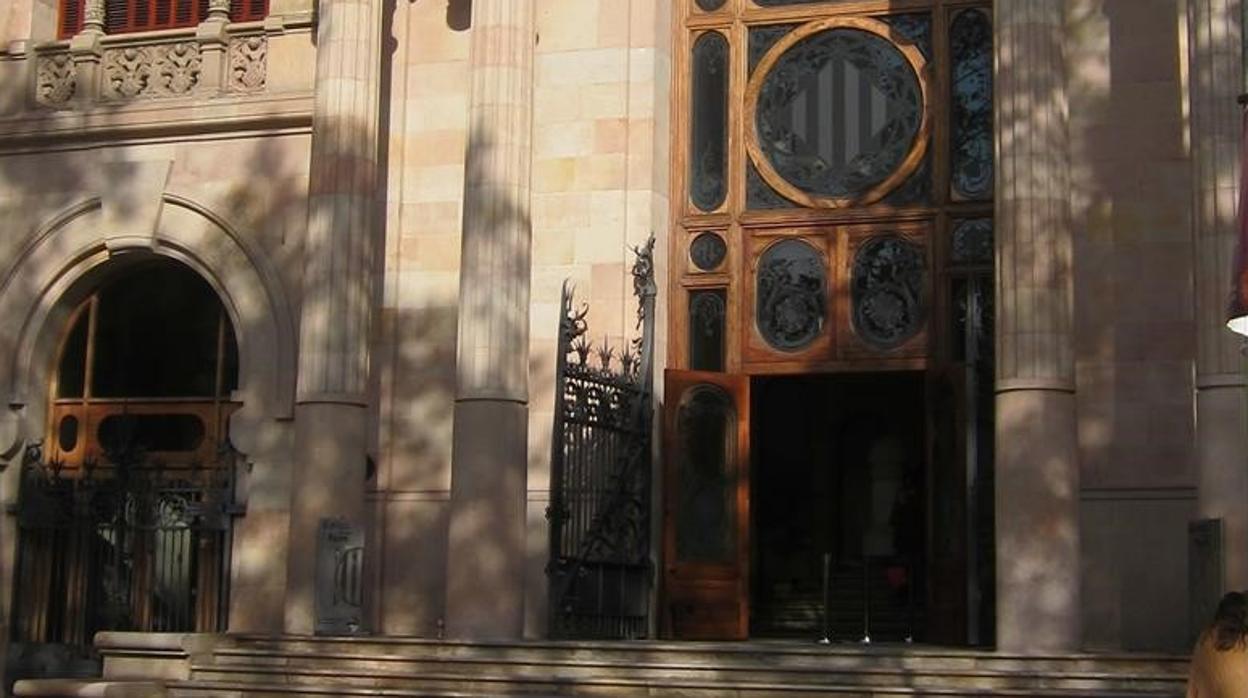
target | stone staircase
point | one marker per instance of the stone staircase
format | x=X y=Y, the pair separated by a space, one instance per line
x=260 y=666
x=305 y=666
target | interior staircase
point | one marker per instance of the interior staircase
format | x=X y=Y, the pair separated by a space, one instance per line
x=306 y=666
x=857 y=607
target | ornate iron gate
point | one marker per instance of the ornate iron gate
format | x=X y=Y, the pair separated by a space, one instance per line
x=128 y=546
x=600 y=569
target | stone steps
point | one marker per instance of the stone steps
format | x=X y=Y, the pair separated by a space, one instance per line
x=254 y=666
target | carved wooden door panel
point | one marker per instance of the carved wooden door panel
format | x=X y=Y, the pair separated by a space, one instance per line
x=706 y=505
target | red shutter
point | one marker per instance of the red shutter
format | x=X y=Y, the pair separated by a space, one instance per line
x=124 y=16
x=248 y=10
x=71 y=18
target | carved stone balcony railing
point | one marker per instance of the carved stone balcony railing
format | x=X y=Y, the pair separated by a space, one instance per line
x=93 y=70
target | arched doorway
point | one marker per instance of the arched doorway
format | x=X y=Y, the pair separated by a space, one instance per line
x=125 y=505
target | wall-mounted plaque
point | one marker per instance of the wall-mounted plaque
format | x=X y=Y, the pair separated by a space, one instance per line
x=339 y=578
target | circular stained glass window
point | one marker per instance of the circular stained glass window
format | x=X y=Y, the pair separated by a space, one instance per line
x=838 y=111
x=708 y=251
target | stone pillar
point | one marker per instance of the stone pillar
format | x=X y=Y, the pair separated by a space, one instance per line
x=1037 y=468
x=1215 y=72
x=213 y=37
x=86 y=52
x=340 y=251
x=486 y=551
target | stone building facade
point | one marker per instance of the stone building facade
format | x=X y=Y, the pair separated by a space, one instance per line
x=387 y=197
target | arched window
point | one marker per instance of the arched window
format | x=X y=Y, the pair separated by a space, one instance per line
x=122 y=16
x=147 y=364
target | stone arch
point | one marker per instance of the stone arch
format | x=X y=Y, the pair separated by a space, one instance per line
x=68 y=256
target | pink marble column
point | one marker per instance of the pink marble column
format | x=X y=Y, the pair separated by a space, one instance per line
x=486 y=552
x=1037 y=468
x=340 y=258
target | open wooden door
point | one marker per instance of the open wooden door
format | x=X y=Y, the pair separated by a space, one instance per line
x=706 y=505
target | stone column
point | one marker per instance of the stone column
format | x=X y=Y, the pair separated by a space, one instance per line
x=1215 y=72
x=331 y=421
x=1037 y=468
x=486 y=552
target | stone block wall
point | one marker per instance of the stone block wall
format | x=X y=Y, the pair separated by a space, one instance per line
x=1135 y=330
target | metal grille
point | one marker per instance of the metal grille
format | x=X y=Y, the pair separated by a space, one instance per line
x=130 y=545
x=600 y=570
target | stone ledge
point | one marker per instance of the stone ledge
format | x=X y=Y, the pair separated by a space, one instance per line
x=71 y=688
x=139 y=656
x=163 y=118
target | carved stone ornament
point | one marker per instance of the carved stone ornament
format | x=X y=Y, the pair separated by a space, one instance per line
x=163 y=70
x=127 y=72
x=55 y=82
x=248 y=63
x=887 y=290
x=178 y=68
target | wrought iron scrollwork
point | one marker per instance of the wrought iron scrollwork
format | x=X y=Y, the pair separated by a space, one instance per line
x=887 y=290
x=122 y=543
x=599 y=513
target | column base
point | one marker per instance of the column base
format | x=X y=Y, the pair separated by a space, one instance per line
x=1037 y=522
x=486 y=546
x=329 y=471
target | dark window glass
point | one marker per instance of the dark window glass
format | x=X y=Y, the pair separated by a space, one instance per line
x=707 y=311
x=958 y=288
x=763 y=38
x=706 y=520
x=67 y=433
x=759 y=195
x=970 y=39
x=886 y=291
x=917 y=188
x=839 y=112
x=915 y=28
x=709 y=138
x=229 y=362
x=71 y=374
x=709 y=5
x=150 y=432
x=790 y=295
x=972 y=319
x=708 y=251
x=972 y=241
x=156 y=335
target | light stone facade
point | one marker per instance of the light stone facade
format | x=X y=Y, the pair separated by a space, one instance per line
x=1116 y=138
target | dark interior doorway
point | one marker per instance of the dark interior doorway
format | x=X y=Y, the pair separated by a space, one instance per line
x=839 y=471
